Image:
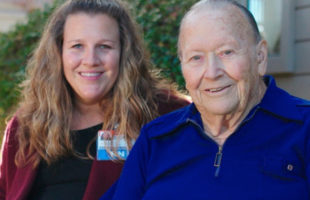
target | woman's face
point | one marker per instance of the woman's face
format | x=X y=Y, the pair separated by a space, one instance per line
x=91 y=55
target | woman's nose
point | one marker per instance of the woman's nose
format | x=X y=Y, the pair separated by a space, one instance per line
x=91 y=57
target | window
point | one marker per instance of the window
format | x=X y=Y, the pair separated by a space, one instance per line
x=275 y=20
x=268 y=18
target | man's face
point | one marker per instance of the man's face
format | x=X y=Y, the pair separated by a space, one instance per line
x=219 y=61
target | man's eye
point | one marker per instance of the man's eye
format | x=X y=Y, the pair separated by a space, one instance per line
x=226 y=53
x=196 y=58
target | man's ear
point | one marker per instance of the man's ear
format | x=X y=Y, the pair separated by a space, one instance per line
x=262 y=57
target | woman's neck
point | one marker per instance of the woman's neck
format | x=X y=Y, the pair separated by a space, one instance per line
x=85 y=116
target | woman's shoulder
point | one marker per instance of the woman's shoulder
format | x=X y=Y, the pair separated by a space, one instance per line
x=11 y=130
x=12 y=123
x=169 y=101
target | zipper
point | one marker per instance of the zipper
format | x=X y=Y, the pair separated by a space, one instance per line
x=218 y=155
x=218 y=161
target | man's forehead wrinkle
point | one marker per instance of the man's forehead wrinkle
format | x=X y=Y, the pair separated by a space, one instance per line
x=225 y=14
x=239 y=23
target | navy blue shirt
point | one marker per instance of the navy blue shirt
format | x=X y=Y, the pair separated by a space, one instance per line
x=267 y=157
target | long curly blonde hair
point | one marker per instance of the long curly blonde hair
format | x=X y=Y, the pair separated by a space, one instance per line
x=47 y=103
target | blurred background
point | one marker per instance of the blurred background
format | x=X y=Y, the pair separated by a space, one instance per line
x=284 y=24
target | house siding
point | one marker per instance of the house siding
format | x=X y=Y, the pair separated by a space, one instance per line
x=298 y=82
x=10 y=14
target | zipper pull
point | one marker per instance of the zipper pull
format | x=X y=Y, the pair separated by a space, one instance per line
x=218 y=157
x=218 y=160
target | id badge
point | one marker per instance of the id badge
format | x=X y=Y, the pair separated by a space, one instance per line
x=106 y=139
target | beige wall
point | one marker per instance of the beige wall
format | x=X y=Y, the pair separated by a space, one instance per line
x=298 y=82
x=27 y=4
x=9 y=15
x=13 y=11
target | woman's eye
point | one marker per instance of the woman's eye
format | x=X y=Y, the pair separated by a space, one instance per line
x=104 y=46
x=77 y=46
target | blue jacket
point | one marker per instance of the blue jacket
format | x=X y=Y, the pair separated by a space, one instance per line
x=267 y=157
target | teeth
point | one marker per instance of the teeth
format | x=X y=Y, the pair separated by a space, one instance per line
x=215 y=89
x=90 y=74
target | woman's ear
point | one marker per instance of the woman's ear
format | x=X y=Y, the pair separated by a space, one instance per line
x=262 y=57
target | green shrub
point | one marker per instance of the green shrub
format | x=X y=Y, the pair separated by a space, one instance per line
x=159 y=20
x=16 y=47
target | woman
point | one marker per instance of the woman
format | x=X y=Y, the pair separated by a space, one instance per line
x=89 y=72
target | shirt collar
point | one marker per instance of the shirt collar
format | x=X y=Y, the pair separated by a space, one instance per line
x=167 y=123
x=280 y=103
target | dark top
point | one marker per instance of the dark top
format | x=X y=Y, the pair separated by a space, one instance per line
x=68 y=177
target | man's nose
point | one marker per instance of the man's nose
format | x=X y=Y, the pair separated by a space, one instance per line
x=213 y=67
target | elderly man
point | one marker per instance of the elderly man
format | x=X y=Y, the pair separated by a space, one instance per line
x=242 y=138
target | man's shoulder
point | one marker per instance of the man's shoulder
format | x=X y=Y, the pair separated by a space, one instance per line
x=167 y=123
x=297 y=102
x=291 y=106
x=302 y=102
x=303 y=105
